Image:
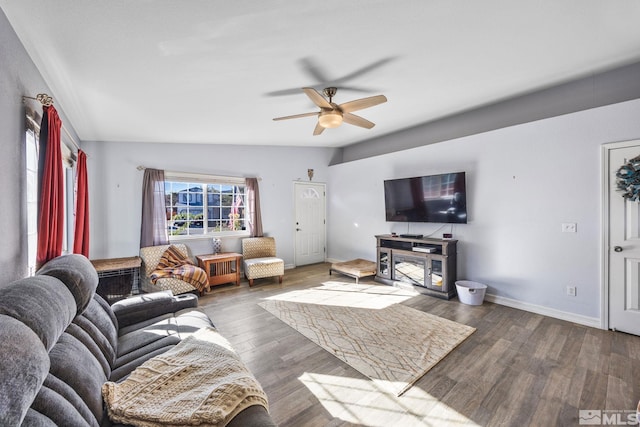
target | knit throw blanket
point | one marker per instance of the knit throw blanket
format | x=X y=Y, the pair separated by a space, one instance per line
x=174 y=264
x=200 y=382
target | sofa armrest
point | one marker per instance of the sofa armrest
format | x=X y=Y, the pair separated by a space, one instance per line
x=147 y=306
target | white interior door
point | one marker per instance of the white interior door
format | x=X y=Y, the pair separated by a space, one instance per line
x=623 y=248
x=309 y=227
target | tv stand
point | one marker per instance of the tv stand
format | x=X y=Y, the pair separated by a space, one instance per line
x=427 y=265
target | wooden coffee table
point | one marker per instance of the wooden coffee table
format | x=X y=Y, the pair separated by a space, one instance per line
x=221 y=268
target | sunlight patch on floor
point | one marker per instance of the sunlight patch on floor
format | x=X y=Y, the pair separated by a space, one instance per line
x=365 y=402
x=345 y=294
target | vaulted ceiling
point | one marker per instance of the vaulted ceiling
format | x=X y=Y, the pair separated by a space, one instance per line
x=217 y=72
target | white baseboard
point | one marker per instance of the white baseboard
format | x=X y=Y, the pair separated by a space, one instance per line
x=593 y=322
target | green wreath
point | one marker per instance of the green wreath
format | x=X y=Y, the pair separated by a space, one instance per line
x=628 y=179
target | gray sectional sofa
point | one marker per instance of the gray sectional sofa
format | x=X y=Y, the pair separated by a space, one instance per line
x=60 y=341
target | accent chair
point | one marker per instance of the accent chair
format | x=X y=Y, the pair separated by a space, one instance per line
x=150 y=257
x=259 y=259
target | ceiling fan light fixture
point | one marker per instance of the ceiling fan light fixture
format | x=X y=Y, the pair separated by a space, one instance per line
x=330 y=119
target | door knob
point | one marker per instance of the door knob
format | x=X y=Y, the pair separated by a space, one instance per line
x=617 y=248
x=298 y=229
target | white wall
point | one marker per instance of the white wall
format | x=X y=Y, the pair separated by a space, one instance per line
x=116 y=187
x=18 y=77
x=523 y=182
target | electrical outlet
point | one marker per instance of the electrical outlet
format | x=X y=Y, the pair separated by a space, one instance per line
x=571 y=291
x=569 y=227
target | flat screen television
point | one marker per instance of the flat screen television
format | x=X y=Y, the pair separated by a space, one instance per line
x=434 y=198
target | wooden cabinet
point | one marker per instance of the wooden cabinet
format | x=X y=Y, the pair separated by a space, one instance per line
x=428 y=265
x=221 y=268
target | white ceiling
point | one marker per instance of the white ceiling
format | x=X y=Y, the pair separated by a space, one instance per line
x=211 y=71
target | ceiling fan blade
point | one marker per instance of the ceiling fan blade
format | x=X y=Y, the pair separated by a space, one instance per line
x=314 y=70
x=362 y=103
x=283 y=92
x=318 y=129
x=363 y=70
x=296 y=90
x=359 y=89
x=317 y=99
x=352 y=119
x=296 y=116
x=323 y=79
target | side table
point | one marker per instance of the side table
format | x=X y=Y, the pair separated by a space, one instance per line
x=221 y=268
x=118 y=277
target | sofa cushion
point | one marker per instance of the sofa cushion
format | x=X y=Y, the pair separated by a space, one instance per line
x=143 y=333
x=36 y=419
x=122 y=371
x=167 y=329
x=147 y=306
x=60 y=404
x=100 y=324
x=253 y=416
x=146 y=347
x=141 y=341
x=46 y=296
x=77 y=273
x=81 y=335
x=24 y=367
x=189 y=321
x=73 y=364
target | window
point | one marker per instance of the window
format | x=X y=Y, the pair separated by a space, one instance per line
x=32 y=199
x=201 y=204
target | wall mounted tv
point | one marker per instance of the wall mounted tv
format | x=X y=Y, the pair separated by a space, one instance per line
x=434 y=198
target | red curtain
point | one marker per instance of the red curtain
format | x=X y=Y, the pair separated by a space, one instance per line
x=51 y=206
x=81 y=231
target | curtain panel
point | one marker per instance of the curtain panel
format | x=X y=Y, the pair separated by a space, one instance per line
x=81 y=229
x=153 y=230
x=254 y=215
x=51 y=200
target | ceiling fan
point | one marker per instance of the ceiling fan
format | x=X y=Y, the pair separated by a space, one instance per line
x=331 y=115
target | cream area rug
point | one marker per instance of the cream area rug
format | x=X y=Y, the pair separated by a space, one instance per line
x=367 y=328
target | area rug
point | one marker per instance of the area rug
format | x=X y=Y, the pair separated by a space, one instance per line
x=394 y=345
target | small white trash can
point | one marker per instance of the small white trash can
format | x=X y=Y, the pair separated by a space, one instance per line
x=471 y=293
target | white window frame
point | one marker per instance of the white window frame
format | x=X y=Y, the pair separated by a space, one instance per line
x=205 y=179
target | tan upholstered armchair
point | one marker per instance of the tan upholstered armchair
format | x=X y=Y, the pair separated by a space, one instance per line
x=150 y=257
x=259 y=259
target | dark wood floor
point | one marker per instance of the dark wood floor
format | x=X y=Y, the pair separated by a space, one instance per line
x=517 y=369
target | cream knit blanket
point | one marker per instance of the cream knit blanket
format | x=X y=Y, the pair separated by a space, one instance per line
x=201 y=381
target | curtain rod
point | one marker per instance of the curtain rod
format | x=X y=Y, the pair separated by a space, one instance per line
x=47 y=101
x=141 y=168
